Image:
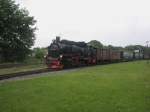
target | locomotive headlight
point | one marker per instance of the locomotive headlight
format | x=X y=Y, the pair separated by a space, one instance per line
x=61 y=56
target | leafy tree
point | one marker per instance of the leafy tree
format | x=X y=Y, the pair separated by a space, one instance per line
x=135 y=47
x=16 y=31
x=39 y=53
x=119 y=48
x=95 y=44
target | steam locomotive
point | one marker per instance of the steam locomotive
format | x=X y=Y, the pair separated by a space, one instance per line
x=65 y=53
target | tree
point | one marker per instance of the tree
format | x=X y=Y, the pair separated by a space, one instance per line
x=119 y=48
x=39 y=53
x=16 y=31
x=135 y=47
x=95 y=44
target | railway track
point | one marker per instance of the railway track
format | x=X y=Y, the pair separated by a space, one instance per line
x=24 y=73
x=43 y=70
x=10 y=65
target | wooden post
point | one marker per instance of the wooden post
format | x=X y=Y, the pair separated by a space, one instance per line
x=147 y=42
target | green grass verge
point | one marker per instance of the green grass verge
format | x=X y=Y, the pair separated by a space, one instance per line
x=21 y=68
x=123 y=87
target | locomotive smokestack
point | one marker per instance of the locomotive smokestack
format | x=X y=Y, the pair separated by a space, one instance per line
x=57 y=39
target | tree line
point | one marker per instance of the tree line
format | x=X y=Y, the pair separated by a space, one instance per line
x=130 y=48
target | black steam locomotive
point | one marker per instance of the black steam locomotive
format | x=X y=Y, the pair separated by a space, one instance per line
x=64 y=53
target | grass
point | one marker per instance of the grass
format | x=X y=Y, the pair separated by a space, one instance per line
x=123 y=87
x=21 y=68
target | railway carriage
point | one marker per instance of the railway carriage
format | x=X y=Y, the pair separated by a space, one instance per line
x=115 y=55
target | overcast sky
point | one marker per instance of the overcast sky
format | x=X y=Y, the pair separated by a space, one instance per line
x=115 y=22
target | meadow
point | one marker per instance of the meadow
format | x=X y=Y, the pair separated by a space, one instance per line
x=121 y=87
